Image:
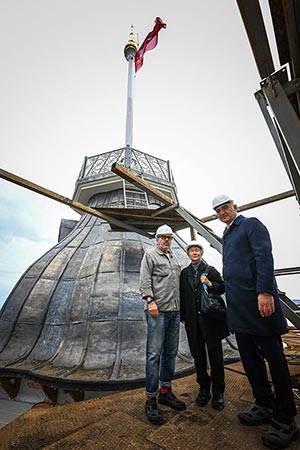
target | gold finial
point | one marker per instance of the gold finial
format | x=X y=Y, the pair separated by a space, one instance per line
x=131 y=46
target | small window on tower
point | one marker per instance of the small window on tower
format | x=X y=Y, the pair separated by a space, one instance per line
x=136 y=199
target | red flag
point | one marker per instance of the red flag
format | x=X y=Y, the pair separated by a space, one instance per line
x=149 y=43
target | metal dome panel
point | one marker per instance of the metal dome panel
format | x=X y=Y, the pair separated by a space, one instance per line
x=76 y=315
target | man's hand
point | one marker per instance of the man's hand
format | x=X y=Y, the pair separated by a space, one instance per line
x=265 y=304
x=153 y=309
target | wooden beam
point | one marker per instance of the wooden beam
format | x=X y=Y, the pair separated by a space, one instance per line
x=51 y=393
x=134 y=179
x=256 y=204
x=140 y=216
x=77 y=396
x=11 y=387
x=189 y=218
x=160 y=211
x=193 y=233
x=72 y=203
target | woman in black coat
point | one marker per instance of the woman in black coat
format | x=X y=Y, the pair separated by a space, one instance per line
x=202 y=331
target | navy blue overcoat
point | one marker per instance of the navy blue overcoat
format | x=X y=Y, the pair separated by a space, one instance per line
x=248 y=269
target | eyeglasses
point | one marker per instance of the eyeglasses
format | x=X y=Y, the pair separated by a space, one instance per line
x=166 y=237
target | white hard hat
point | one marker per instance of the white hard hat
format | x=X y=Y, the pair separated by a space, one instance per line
x=220 y=200
x=194 y=244
x=164 y=229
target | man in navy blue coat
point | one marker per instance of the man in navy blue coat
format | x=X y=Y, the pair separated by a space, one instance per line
x=255 y=316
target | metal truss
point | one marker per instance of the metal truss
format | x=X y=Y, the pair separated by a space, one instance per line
x=283 y=123
x=278 y=97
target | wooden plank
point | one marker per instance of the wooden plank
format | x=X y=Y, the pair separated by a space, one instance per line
x=60 y=198
x=146 y=187
x=189 y=218
x=10 y=386
x=256 y=204
x=141 y=217
x=160 y=211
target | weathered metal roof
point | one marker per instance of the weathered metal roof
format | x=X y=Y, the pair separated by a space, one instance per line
x=77 y=316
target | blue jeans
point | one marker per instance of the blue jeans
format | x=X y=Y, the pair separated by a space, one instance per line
x=162 y=346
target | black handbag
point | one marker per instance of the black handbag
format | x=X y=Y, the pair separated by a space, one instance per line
x=212 y=305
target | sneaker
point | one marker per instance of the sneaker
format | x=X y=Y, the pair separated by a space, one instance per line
x=279 y=435
x=256 y=415
x=203 y=397
x=152 y=412
x=169 y=399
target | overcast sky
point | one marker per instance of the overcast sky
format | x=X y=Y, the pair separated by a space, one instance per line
x=63 y=84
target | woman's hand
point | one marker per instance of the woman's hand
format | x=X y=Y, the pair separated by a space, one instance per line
x=205 y=280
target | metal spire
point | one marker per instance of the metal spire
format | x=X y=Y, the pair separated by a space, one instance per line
x=130 y=50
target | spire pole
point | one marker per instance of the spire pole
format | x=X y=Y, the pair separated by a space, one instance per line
x=130 y=50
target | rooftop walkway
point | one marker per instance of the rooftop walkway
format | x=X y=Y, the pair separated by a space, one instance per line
x=118 y=421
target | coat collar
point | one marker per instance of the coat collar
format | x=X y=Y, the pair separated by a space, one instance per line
x=237 y=221
x=162 y=253
x=201 y=266
x=191 y=278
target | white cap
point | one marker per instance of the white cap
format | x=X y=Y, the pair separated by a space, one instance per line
x=220 y=200
x=164 y=229
x=194 y=244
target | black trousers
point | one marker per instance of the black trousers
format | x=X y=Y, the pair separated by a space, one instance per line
x=253 y=351
x=215 y=355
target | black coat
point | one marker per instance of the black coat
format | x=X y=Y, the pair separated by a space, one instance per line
x=212 y=330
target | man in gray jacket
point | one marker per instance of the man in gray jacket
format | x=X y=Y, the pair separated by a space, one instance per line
x=159 y=286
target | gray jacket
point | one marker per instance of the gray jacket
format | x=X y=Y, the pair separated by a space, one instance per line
x=159 y=279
